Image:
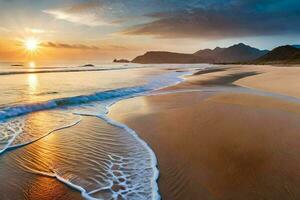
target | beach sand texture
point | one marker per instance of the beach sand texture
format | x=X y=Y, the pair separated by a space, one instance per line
x=223 y=144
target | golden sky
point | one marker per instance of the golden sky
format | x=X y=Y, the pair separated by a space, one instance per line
x=108 y=29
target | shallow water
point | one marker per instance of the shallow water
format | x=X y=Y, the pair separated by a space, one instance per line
x=54 y=125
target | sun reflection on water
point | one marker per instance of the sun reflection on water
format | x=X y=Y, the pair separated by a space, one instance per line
x=31 y=66
x=32 y=82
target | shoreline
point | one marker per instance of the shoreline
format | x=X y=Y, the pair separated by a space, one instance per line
x=142 y=114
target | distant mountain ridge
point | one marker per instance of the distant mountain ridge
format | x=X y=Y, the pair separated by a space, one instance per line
x=233 y=54
x=238 y=53
x=288 y=54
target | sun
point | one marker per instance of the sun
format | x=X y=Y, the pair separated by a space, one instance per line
x=31 y=44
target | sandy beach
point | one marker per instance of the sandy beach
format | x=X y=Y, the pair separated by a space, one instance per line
x=150 y=100
x=224 y=141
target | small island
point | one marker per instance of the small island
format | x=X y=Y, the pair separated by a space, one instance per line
x=121 y=61
x=17 y=65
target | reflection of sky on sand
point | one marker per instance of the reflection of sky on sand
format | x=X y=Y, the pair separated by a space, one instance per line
x=23 y=163
x=90 y=144
x=44 y=188
x=39 y=124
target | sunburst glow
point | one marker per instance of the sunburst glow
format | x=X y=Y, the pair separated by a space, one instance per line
x=31 y=64
x=31 y=44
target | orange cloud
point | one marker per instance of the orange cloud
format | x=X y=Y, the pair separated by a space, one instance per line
x=69 y=46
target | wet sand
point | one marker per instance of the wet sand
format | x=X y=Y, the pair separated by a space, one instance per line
x=282 y=80
x=222 y=144
x=16 y=183
x=106 y=161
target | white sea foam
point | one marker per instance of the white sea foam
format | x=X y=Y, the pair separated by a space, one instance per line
x=9 y=131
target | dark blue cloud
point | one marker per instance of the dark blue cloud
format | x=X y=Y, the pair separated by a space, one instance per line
x=222 y=19
x=171 y=18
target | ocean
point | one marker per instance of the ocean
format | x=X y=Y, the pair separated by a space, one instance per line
x=54 y=124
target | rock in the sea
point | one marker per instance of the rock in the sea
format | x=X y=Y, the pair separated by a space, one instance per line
x=121 y=61
x=89 y=65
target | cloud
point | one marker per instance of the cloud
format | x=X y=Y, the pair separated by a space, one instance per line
x=88 y=14
x=37 y=31
x=223 y=19
x=33 y=30
x=104 y=47
x=3 y=29
x=69 y=46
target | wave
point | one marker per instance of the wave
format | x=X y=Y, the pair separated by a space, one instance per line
x=14 y=111
x=153 y=84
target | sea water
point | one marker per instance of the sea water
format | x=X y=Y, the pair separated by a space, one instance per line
x=53 y=123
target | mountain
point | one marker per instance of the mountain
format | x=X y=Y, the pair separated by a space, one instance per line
x=209 y=55
x=159 y=57
x=281 y=55
x=238 y=53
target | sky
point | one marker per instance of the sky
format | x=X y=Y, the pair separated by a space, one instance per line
x=108 y=29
